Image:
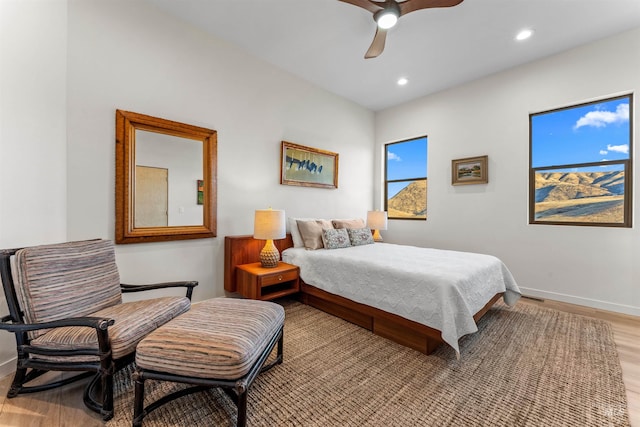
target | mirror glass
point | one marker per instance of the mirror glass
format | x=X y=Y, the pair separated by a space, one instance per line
x=168 y=169
x=165 y=179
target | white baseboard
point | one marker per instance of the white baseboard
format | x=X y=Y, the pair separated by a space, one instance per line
x=587 y=302
x=8 y=367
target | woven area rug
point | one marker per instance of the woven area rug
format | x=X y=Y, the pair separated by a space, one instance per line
x=526 y=366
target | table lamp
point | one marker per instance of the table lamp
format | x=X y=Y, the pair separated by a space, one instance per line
x=269 y=224
x=377 y=220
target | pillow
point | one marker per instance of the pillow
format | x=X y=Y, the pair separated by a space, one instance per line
x=348 y=223
x=335 y=238
x=311 y=232
x=292 y=225
x=360 y=236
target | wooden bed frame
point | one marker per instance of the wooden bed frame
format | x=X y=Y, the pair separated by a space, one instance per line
x=245 y=249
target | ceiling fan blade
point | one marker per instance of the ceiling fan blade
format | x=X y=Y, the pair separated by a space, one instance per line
x=411 y=5
x=369 y=5
x=377 y=45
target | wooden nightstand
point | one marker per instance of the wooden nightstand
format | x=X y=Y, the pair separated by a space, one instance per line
x=256 y=282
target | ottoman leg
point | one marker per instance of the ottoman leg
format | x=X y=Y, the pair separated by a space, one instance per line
x=138 y=403
x=280 y=348
x=242 y=408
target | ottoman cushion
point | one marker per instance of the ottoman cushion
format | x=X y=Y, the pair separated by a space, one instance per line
x=218 y=338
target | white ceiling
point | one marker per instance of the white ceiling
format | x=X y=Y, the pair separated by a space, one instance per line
x=324 y=41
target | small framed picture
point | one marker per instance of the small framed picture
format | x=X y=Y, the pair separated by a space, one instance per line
x=200 y=191
x=470 y=170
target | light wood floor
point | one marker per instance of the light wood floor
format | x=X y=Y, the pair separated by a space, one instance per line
x=64 y=407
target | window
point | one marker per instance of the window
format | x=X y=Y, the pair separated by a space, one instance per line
x=406 y=179
x=580 y=164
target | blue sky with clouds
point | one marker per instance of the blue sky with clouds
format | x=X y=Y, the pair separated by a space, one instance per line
x=406 y=160
x=590 y=133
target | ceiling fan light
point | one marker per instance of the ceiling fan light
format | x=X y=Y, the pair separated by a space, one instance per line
x=387 y=19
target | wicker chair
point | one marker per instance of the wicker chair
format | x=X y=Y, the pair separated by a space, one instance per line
x=66 y=311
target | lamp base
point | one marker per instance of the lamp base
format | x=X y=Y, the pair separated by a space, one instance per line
x=269 y=255
x=376 y=236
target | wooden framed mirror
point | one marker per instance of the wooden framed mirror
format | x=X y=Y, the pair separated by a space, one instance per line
x=166 y=180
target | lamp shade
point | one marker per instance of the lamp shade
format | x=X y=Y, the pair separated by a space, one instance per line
x=269 y=224
x=377 y=220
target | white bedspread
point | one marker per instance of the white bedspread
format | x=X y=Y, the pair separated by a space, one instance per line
x=437 y=288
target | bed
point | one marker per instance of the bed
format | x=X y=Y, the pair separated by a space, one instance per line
x=418 y=297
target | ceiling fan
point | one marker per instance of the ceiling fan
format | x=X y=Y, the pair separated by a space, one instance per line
x=387 y=12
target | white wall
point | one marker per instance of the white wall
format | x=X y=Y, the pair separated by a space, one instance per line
x=32 y=131
x=128 y=55
x=592 y=266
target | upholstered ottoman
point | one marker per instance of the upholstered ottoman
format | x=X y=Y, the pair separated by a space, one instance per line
x=221 y=342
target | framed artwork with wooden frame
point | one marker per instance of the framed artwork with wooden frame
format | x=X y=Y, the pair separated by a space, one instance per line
x=470 y=170
x=307 y=166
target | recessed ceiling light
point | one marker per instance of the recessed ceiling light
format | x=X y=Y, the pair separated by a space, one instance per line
x=524 y=34
x=402 y=81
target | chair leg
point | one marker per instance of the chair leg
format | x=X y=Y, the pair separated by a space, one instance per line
x=107 y=394
x=17 y=383
x=138 y=402
x=98 y=394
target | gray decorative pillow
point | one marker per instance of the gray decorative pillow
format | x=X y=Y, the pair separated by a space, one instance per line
x=335 y=238
x=360 y=236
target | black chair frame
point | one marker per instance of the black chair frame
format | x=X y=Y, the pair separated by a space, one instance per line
x=98 y=394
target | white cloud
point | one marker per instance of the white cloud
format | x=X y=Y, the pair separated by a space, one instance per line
x=604 y=152
x=601 y=118
x=393 y=156
x=619 y=148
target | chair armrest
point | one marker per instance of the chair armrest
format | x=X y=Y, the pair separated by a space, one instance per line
x=98 y=323
x=137 y=288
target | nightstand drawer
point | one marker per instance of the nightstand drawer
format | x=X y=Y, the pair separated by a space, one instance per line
x=272 y=279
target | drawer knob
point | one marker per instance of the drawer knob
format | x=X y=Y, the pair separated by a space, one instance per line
x=280 y=277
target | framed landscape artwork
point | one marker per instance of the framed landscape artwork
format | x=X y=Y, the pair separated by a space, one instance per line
x=470 y=170
x=308 y=167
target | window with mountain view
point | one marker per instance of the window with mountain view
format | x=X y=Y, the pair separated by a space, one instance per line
x=580 y=164
x=406 y=179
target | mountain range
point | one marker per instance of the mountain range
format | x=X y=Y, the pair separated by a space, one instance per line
x=411 y=201
x=596 y=197
x=556 y=186
x=572 y=196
